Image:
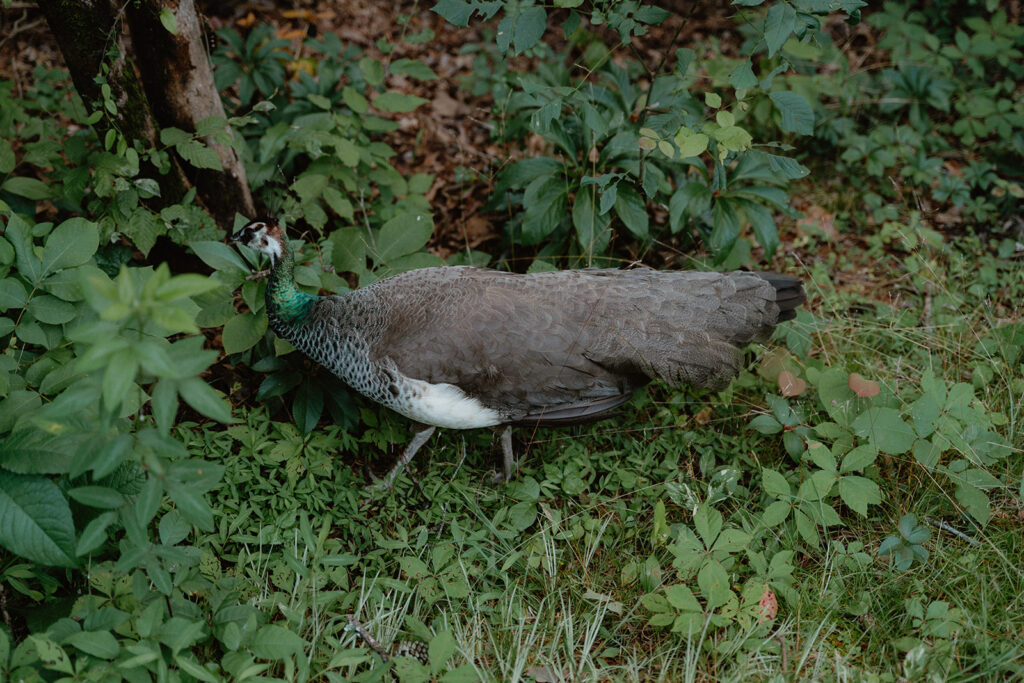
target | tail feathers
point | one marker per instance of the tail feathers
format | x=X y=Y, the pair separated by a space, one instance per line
x=789 y=293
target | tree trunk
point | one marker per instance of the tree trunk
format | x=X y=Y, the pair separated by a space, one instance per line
x=176 y=88
x=85 y=31
x=178 y=80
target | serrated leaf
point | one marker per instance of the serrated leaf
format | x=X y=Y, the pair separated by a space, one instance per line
x=35 y=520
x=778 y=25
x=797 y=115
x=858 y=493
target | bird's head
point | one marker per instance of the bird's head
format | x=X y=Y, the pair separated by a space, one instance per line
x=263 y=235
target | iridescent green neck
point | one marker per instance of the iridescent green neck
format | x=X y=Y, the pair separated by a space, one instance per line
x=284 y=298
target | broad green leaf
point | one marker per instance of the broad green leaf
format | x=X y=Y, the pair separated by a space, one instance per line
x=403 y=234
x=714 y=584
x=348 y=253
x=72 y=243
x=51 y=655
x=778 y=25
x=7 y=163
x=35 y=520
x=775 y=484
x=632 y=210
x=204 y=399
x=975 y=502
x=51 y=310
x=12 y=294
x=187 y=285
x=95 y=533
x=199 y=155
x=885 y=429
x=592 y=229
x=276 y=642
x=858 y=493
x=219 y=256
x=726 y=228
x=243 y=332
x=860 y=457
x=742 y=77
x=455 y=12
x=191 y=504
x=414 y=68
x=397 y=102
x=681 y=597
x=529 y=27
x=169 y=21
x=690 y=142
x=100 y=644
x=308 y=406
x=29 y=188
x=101 y=497
x=797 y=115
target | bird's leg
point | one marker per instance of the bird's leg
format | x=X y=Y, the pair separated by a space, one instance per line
x=418 y=439
x=509 y=462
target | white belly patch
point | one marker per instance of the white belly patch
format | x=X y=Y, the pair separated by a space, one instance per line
x=445 y=405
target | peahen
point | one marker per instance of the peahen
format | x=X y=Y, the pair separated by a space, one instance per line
x=464 y=347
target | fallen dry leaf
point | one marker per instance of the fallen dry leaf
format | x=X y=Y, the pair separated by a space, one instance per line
x=769 y=606
x=703 y=416
x=790 y=384
x=865 y=388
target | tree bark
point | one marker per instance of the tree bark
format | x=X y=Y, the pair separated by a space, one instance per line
x=178 y=81
x=176 y=88
x=87 y=34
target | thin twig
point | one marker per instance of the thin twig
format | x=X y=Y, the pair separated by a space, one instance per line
x=939 y=524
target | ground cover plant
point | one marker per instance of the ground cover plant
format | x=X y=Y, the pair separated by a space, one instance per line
x=183 y=497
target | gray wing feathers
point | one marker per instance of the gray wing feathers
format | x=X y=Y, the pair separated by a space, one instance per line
x=569 y=342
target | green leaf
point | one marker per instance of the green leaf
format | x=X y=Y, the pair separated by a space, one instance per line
x=355 y=100
x=397 y=102
x=7 y=164
x=95 y=533
x=308 y=406
x=726 y=228
x=778 y=25
x=414 y=68
x=441 y=648
x=763 y=224
x=529 y=27
x=592 y=230
x=12 y=294
x=775 y=484
x=219 y=256
x=101 y=497
x=349 y=250
x=169 y=21
x=243 y=332
x=35 y=520
x=885 y=429
x=191 y=504
x=690 y=143
x=199 y=155
x=708 y=523
x=455 y=12
x=797 y=115
x=742 y=77
x=72 y=243
x=632 y=210
x=858 y=493
x=403 y=234
x=975 y=502
x=29 y=188
x=100 y=644
x=276 y=642
x=183 y=286
x=51 y=655
x=204 y=399
x=51 y=310
x=860 y=457
x=714 y=584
